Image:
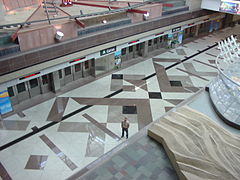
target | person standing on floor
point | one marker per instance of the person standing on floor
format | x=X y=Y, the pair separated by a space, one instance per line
x=125 y=126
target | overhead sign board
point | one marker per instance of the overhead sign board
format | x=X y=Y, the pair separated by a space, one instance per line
x=230 y=6
x=108 y=51
x=176 y=29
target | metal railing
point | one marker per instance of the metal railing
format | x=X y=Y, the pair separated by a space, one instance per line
x=76 y=16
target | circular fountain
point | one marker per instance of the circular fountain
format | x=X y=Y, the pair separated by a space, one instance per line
x=225 y=89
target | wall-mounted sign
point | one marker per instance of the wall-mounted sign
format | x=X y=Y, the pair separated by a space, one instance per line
x=230 y=6
x=108 y=51
x=5 y=104
x=176 y=29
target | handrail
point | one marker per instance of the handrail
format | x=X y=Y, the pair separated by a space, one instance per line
x=76 y=16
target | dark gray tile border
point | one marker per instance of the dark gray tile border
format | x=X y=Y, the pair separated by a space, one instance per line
x=174 y=101
x=129 y=88
x=3 y=173
x=206 y=63
x=100 y=126
x=14 y=125
x=165 y=60
x=211 y=61
x=139 y=83
x=58 y=109
x=75 y=126
x=36 y=162
x=163 y=80
x=211 y=55
x=190 y=68
x=144 y=115
x=192 y=74
x=167 y=108
x=192 y=89
x=58 y=152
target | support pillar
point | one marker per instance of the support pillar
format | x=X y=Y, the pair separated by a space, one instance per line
x=56 y=86
x=127 y=53
x=135 y=51
x=197 y=30
x=145 y=49
x=228 y=20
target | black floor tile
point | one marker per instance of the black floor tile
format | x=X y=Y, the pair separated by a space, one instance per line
x=175 y=83
x=155 y=95
x=35 y=128
x=117 y=76
x=129 y=110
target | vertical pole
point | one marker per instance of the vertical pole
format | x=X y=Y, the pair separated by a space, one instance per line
x=47 y=11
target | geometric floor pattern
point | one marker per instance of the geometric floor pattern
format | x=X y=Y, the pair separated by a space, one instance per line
x=91 y=118
x=144 y=157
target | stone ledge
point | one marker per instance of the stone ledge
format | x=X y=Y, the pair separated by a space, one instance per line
x=197 y=147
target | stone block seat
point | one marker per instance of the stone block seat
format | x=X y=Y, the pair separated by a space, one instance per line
x=197 y=147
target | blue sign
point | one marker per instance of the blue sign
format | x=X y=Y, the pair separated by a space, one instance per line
x=5 y=103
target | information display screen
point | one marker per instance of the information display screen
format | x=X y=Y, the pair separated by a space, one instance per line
x=230 y=6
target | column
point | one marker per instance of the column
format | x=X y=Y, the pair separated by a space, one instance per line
x=55 y=82
x=228 y=20
x=145 y=49
x=197 y=30
x=135 y=51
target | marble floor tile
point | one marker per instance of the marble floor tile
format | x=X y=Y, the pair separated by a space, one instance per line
x=3 y=173
x=115 y=115
x=129 y=88
x=101 y=126
x=71 y=106
x=148 y=90
x=14 y=125
x=95 y=145
x=36 y=162
x=58 y=109
x=58 y=152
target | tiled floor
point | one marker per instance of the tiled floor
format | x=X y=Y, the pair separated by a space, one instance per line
x=79 y=126
x=144 y=159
